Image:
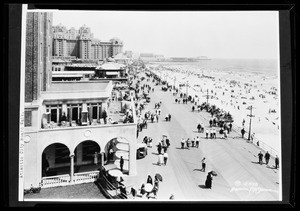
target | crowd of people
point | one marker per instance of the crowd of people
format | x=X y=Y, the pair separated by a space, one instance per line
x=220 y=122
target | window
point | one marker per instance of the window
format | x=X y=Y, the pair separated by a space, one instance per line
x=55 y=112
x=94 y=111
x=74 y=112
x=28 y=118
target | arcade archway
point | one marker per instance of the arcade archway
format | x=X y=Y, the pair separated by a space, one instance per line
x=87 y=156
x=55 y=160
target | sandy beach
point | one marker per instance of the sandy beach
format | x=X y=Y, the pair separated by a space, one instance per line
x=233 y=92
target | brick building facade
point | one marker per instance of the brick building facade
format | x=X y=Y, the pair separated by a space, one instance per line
x=38 y=54
x=81 y=44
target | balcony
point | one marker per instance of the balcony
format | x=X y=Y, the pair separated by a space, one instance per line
x=116 y=115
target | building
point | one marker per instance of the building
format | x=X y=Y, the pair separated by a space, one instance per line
x=82 y=44
x=111 y=70
x=150 y=57
x=38 y=54
x=66 y=135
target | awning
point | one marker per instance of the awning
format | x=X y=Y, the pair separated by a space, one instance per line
x=111 y=73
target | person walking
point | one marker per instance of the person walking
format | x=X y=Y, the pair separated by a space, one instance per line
x=260 y=157
x=188 y=143
x=267 y=157
x=230 y=126
x=199 y=127
x=211 y=133
x=210 y=122
x=169 y=117
x=182 y=143
x=155 y=190
x=159 y=159
x=252 y=137
x=208 y=181
x=206 y=132
x=152 y=118
x=203 y=163
x=197 y=141
x=276 y=162
x=142 y=190
x=165 y=158
x=193 y=108
x=193 y=142
x=168 y=142
x=156 y=118
x=149 y=180
x=225 y=134
x=121 y=163
x=243 y=132
x=159 y=147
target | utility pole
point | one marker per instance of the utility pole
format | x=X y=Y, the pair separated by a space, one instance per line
x=174 y=82
x=249 y=135
x=187 y=87
x=207 y=96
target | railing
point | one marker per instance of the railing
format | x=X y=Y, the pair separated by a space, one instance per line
x=109 y=190
x=63 y=180
x=262 y=145
x=55 y=181
x=85 y=177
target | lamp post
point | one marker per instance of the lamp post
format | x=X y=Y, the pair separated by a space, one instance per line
x=250 y=108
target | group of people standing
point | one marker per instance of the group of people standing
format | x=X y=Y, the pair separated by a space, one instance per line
x=190 y=143
x=267 y=158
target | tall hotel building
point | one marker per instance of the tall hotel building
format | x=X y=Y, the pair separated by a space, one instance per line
x=81 y=44
x=65 y=135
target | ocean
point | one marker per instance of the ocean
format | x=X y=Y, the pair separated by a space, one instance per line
x=263 y=66
x=255 y=77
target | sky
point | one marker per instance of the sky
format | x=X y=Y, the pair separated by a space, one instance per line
x=230 y=34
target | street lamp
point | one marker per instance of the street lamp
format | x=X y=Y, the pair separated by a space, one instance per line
x=250 y=108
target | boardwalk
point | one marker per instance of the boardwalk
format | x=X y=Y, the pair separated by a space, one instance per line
x=234 y=160
x=240 y=177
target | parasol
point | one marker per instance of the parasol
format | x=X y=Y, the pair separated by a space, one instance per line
x=159 y=177
x=148 y=187
x=213 y=173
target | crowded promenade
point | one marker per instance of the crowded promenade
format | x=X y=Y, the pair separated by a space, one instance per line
x=239 y=175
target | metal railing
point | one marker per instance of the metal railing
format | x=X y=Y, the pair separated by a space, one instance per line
x=109 y=190
x=262 y=145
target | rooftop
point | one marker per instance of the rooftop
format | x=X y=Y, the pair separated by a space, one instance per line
x=110 y=66
x=74 y=90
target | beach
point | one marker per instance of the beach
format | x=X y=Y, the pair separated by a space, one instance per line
x=232 y=90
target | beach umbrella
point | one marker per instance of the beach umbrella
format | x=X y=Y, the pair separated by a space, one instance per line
x=159 y=177
x=213 y=173
x=148 y=187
